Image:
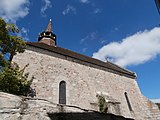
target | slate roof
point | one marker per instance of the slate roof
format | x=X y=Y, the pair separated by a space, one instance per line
x=69 y=53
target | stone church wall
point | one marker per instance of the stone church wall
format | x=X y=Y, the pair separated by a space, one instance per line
x=83 y=83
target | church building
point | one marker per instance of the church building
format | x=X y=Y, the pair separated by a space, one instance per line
x=68 y=78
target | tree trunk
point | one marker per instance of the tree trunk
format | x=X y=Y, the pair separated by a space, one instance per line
x=11 y=57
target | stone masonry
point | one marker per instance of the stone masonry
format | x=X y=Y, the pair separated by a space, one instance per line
x=83 y=84
x=14 y=107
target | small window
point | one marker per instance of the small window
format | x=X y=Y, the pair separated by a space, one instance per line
x=128 y=102
x=62 y=92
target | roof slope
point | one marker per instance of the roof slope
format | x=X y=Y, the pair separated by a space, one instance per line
x=65 y=52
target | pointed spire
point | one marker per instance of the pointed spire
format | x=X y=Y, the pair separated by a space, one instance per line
x=49 y=27
x=47 y=36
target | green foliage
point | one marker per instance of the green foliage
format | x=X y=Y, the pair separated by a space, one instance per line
x=15 y=81
x=3 y=62
x=8 y=43
x=12 y=28
x=101 y=103
x=12 y=78
x=3 y=31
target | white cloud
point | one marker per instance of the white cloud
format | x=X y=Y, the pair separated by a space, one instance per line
x=155 y=100
x=90 y=36
x=84 y=49
x=103 y=41
x=116 y=29
x=12 y=10
x=133 y=50
x=84 y=1
x=69 y=9
x=47 y=4
x=24 y=30
x=23 y=33
x=97 y=10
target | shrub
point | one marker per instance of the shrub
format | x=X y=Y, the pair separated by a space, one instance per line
x=15 y=81
x=101 y=103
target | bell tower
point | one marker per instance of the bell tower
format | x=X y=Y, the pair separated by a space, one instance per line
x=47 y=36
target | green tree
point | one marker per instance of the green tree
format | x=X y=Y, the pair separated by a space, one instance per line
x=12 y=78
x=10 y=43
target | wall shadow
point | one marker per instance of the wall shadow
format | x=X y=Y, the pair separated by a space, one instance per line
x=85 y=116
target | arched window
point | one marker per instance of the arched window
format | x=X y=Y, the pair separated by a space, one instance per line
x=62 y=92
x=128 y=102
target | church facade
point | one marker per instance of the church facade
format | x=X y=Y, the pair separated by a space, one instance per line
x=68 y=78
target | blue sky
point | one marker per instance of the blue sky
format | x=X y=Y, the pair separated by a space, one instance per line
x=125 y=32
